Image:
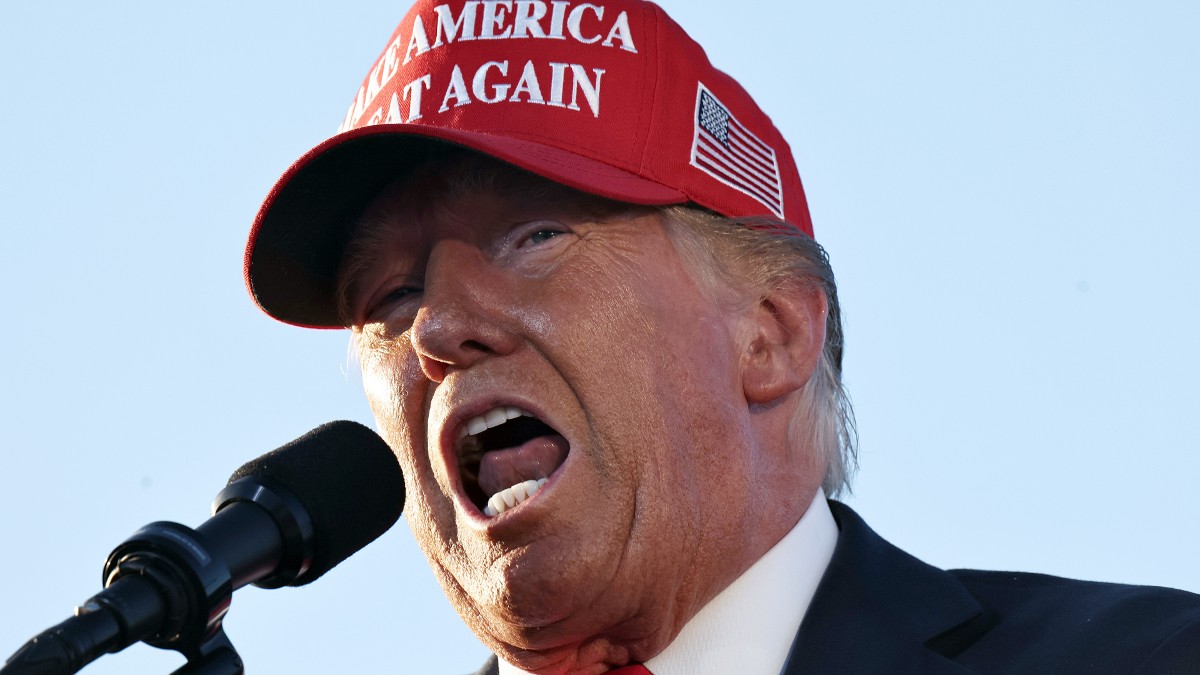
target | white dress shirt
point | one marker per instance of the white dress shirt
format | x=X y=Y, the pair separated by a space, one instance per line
x=749 y=627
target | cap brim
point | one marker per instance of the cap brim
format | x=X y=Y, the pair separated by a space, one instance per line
x=304 y=224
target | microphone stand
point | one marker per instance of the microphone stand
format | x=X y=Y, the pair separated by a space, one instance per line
x=161 y=586
x=171 y=586
x=216 y=656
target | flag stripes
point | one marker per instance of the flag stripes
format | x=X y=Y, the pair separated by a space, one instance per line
x=730 y=153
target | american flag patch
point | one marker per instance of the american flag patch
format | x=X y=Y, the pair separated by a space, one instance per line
x=727 y=151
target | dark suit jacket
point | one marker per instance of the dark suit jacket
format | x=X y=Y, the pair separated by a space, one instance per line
x=880 y=610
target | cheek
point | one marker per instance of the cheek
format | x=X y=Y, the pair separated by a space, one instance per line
x=395 y=390
x=398 y=394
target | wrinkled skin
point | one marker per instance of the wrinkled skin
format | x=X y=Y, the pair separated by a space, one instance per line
x=678 y=475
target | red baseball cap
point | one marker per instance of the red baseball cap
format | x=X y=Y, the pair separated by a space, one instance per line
x=609 y=97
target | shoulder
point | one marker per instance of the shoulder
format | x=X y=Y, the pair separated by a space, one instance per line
x=1105 y=627
x=984 y=621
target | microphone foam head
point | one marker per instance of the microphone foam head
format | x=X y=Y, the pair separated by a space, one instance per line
x=349 y=481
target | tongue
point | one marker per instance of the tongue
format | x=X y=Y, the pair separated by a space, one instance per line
x=534 y=459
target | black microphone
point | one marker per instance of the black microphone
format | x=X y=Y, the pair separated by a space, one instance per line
x=284 y=519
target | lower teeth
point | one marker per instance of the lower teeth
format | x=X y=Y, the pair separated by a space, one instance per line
x=510 y=497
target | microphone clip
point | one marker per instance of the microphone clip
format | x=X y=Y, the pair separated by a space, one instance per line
x=193 y=592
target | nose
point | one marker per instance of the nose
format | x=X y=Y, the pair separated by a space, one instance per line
x=462 y=318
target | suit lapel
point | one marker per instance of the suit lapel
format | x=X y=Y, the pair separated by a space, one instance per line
x=491 y=667
x=878 y=609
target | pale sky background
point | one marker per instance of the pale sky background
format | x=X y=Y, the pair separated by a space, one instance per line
x=1008 y=192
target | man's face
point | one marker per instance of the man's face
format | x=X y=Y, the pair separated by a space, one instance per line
x=475 y=303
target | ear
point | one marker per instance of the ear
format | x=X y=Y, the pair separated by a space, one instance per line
x=786 y=336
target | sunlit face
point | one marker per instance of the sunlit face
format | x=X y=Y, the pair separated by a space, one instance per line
x=518 y=299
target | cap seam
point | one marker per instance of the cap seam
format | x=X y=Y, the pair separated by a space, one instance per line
x=647 y=119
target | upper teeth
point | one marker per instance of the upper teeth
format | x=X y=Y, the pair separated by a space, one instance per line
x=492 y=418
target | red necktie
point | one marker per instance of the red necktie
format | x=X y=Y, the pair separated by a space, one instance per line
x=631 y=670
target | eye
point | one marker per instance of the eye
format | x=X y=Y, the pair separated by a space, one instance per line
x=389 y=302
x=539 y=232
x=399 y=294
x=543 y=235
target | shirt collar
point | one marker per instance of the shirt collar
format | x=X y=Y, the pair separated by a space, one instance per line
x=749 y=627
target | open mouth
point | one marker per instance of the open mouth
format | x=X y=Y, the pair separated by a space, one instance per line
x=505 y=456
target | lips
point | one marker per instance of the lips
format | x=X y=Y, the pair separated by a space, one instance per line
x=505 y=456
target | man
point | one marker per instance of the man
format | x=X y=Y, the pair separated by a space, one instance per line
x=593 y=324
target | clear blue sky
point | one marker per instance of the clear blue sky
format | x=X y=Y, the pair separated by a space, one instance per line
x=1008 y=192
